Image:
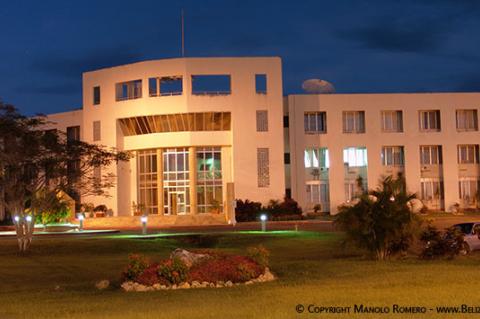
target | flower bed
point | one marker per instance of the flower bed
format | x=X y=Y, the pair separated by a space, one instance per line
x=200 y=269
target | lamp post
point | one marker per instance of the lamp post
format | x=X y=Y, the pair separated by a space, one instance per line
x=263 y=220
x=80 y=221
x=144 y=220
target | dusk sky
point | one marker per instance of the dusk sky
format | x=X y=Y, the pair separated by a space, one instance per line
x=359 y=46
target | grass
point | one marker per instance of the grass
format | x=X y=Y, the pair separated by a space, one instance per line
x=56 y=279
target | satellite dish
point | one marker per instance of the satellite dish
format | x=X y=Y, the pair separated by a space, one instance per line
x=317 y=86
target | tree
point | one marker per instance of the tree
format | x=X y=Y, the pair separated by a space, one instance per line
x=381 y=221
x=36 y=161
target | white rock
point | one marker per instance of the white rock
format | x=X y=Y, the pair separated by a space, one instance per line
x=184 y=285
x=102 y=284
x=228 y=284
x=187 y=257
x=212 y=285
x=249 y=282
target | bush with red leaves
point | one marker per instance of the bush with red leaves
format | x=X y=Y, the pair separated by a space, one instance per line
x=136 y=265
x=225 y=268
x=150 y=277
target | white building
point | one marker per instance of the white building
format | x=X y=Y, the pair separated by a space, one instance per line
x=206 y=131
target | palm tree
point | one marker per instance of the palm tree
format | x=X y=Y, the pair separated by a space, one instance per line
x=381 y=221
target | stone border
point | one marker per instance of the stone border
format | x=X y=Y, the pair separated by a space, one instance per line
x=135 y=286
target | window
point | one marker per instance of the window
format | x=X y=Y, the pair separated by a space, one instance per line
x=96 y=131
x=431 y=155
x=316 y=158
x=392 y=156
x=468 y=189
x=315 y=122
x=286 y=158
x=184 y=122
x=317 y=193
x=96 y=95
x=467 y=120
x=431 y=189
x=261 y=83
x=73 y=133
x=209 y=179
x=392 y=121
x=263 y=167
x=285 y=121
x=128 y=90
x=97 y=178
x=262 y=121
x=353 y=122
x=211 y=85
x=355 y=156
x=164 y=86
x=467 y=154
x=148 y=180
x=430 y=120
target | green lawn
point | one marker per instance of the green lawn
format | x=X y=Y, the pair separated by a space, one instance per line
x=312 y=269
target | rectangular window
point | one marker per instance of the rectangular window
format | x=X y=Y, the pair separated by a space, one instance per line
x=97 y=177
x=128 y=90
x=392 y=121
x=467 y=154
x=285 y=121
x=355 y=156
x=467 y=120
x=315 y=122
x=263 y=167
x=262 y=121
x=318 y=193
x=73 y=133
x=261 y=83
x=392 y=156
x=286 y=158
x=316 y=158
x=468 y=189
x=211 y=84
x=431 y=154
x=431 y=189
x=97 y=136
x=165 y=86
x=353 y=122
x=209 y=179
x=147 y=168
x=430 y=121
x=96 y=95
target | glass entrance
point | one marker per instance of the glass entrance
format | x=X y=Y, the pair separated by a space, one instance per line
x=176 y=203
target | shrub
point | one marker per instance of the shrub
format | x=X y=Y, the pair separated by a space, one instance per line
x=247 y=211
x=227 y=268
x=381 y=221
x=173 y=270
x=149 y=276
x=438 y=245
x=259 y=254
x=100 y=208
x=288 y=209
x=136 y=266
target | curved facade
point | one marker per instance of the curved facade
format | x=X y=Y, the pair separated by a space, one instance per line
x=204 y=131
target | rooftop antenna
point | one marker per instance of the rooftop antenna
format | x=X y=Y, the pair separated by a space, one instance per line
x=183 y=36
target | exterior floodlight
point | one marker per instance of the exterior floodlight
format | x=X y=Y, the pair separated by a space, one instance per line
x=392 y=198
x=144 y=220
x=80 y=220
x=28 y=218
x=263 y=219
x=16 y=218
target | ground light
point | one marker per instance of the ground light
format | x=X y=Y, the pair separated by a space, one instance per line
x=263 y=219
x=144 y=220
x=80 y=220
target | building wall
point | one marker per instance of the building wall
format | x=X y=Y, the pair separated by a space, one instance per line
x=239 y=146
x=373 y=139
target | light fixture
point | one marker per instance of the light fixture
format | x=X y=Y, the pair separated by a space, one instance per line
x=28 y=218
x=144 y=220
x=80 y=220
x=392 y=198
x=16 y=218
x=263 y=219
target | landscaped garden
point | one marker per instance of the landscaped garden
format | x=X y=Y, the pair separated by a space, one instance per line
x=56 y=279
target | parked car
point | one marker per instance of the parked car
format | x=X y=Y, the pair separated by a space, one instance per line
x=471 y=236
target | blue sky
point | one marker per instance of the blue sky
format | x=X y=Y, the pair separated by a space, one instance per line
x=359 y=46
